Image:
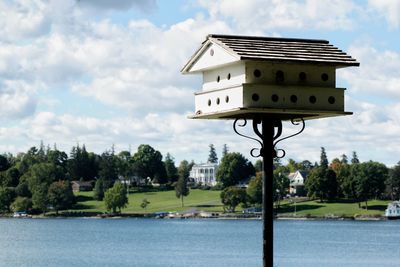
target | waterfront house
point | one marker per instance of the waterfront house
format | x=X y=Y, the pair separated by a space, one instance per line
x=204 y=173
x=80 y=186
x=297 y=181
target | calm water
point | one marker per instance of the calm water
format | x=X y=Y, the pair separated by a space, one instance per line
x=184 y=243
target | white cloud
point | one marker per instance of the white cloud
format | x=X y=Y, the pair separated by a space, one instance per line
x=388 y=9
x=378 y=74
x=23 y=19
x=144 y=5
x=251 y=16
x=17 y=99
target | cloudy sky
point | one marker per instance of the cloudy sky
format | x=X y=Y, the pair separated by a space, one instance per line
x=104 y=72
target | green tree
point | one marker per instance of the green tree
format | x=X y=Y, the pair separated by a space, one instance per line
x=181 y=188
x=21 y=204
x=234 y=168
x=144 y=204
x=393 y=182
x=254 y=190
x=108 y=172
x=184 y=169
x=355 y=159
x=258 y=166
x=11 y=177
x=322 y=184
x=212 y=155
x=224 y=150
x=232 y=196
x=148 y=163
x=40 y=199
x=4 y=164
x=116 y=198
x=280 y=186
x=6 y=198
x=170 y=168
x=98 y=193
x=324 y=159
x=369 y=180
x=60 y=195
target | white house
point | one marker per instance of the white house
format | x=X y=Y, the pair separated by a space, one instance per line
x=204 y=173
x=297 y=181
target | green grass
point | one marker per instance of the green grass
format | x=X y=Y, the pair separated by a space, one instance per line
x=205 y=200
x=343 y=208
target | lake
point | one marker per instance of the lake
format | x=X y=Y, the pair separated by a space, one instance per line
x=184 y=243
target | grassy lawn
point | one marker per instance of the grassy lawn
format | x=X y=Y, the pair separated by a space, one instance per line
x=338 y=208
x=205 y=200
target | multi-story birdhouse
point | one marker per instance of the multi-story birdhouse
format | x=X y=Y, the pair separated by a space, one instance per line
x=284 y=78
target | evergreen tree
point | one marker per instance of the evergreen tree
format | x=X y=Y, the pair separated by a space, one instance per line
x=355 y=159
x=224 y=150
x=170 y=168
x=212 y=156
x=323 y=159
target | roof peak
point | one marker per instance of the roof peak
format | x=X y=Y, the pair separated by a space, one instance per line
x=213 y=35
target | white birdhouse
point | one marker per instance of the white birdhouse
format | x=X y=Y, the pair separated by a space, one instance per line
x=284 y=78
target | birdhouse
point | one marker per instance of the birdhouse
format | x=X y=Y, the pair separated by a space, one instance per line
x=285 y=78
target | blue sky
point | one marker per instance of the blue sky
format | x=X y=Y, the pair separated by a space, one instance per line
x=105 y=72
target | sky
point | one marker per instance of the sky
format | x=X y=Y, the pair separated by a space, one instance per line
x=107 y=73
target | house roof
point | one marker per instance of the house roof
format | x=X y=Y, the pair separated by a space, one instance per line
x=277 y=50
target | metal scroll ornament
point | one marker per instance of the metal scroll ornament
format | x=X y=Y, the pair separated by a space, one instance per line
x=258 y=152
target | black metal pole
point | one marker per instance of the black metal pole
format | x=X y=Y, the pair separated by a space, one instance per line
x=268 y=154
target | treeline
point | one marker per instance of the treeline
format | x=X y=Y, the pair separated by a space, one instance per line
x=342 y=178
x=40 y=178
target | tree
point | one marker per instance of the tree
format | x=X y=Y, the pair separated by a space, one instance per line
x=232 y=196
x=21 y=204
x=148 y=163
x=108 y=172
x=212 y=155
x=98 y=190
x=144 y=203
x=355 y=159
x=323 y=159
x=321 y=183
x=170 y=168
x=393 y=182
x=181 y=188
x=40 y=199
x=224 y=150
x=6 y=198
x=254 y=190
x=60 y=195
x=258 y=166
x=124 y=167
x=184 y=169
x=4 y=164
x=280 y=186
x=11 y=177
x=116 y=198
x=234 y=168
x=369 y=178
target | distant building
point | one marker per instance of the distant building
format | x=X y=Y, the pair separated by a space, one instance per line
x=297 y=181
x=79 y=186
x=204 y=173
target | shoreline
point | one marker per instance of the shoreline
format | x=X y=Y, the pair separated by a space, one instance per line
x=218 y=216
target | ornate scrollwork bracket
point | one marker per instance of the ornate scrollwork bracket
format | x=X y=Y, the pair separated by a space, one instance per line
x=257 y=123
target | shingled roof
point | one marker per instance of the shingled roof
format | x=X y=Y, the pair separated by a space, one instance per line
x=278 y=49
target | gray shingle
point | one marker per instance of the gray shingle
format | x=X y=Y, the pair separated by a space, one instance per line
x=284 y=49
